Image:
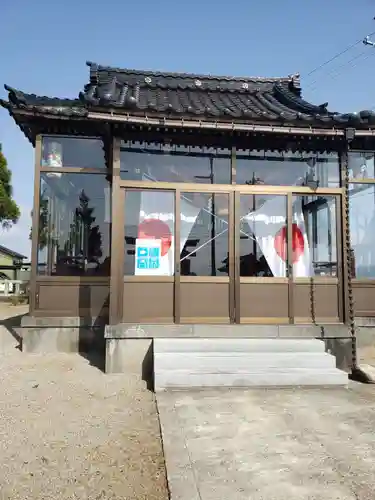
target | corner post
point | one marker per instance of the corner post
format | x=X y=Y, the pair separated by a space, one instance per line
x=117 y=241
x=34 y=289
x=347 y=257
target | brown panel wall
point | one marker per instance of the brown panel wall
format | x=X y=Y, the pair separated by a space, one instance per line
x=364 y=298
x=147 y=302
x=325 y=304
x=264 y=300
x=208 y=302
x=63 y=298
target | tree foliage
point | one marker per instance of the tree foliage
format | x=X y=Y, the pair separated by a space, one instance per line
x=9 y=210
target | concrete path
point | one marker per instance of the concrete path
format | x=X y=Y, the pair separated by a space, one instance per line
x=270 y=444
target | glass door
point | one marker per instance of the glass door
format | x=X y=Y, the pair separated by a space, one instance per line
x=149 y=256
x=206 y=260
x=261 y=282
x=317 y=258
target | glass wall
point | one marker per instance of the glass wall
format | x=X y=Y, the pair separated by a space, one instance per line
x=163 y=163
x=361 y=165
x=362 y=213
x=314 y=236
x=67 y=152
x=74 y=225
x=287 y=168
x=362 y=229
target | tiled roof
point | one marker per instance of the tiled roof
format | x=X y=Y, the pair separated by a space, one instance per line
x=11 y=253
x=206 y=97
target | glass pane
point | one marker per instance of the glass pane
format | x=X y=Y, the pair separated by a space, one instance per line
x=361 y=165
x=79 y=152
x=362 y=230
x=204 y=234
x=74 y=225
x=288 y=168
x=263 y=236
x=314 y=236
x=149 y=233
x=175 y=164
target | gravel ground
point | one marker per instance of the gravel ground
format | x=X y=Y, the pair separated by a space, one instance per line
x=67 y=431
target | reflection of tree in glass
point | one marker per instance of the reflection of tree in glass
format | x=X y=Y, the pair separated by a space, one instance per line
x=90 y=237
x=43 y=222
x=254 y=181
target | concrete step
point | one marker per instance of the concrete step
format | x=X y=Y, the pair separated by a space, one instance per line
x=184 y=379
x=180 y=345
x=232 y=362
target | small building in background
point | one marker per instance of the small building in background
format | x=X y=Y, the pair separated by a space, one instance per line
x=11 y=264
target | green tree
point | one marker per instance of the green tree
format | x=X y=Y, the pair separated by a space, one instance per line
x=9 y=210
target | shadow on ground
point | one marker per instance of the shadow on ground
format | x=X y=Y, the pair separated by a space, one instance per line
x=12 y=324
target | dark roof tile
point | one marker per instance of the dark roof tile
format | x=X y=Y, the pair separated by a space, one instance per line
x=224 y=98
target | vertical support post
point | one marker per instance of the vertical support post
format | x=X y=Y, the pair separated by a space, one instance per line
x=289 y=260
x=349 y=299
x=34 y=292
x=339 y=256
x=117 y=238
x=345 y=232
x=233 y=167
x=234 y=286
x=231 y=258
x=177 y=253
x=213 y=221
x=236 y=256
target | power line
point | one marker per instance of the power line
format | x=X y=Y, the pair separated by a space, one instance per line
x=341 y=53
x=337 y=71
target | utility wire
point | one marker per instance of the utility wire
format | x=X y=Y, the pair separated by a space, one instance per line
x=338 y=71
x=337 y=55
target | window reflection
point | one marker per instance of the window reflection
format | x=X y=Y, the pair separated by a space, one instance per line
x=287 y=168
x=162 y=163
x=58 y=151
x=204 y=234
x=74 y=225
x=263 y=236
x=314 y=219
x=362 y=230
x=361 y=165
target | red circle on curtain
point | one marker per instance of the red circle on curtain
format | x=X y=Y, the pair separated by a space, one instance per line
x=298 y=243
x=156 y=229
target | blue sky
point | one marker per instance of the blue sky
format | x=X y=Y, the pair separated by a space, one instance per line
x=45 y=46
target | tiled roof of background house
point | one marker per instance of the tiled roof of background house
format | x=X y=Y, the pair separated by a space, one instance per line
x=11 y=253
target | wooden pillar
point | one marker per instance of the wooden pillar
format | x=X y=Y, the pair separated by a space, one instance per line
x=34 y=293
x=117 y=240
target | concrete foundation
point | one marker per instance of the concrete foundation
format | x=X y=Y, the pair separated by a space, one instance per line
x=48 y=335
x=132 y=356
x=130 y=349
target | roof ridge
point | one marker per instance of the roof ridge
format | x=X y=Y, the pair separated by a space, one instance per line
x=174 y=74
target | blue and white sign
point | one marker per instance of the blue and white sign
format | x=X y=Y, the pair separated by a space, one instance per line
x=147 y=256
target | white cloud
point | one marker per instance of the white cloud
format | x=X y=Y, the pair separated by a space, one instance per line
x=17 y=238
